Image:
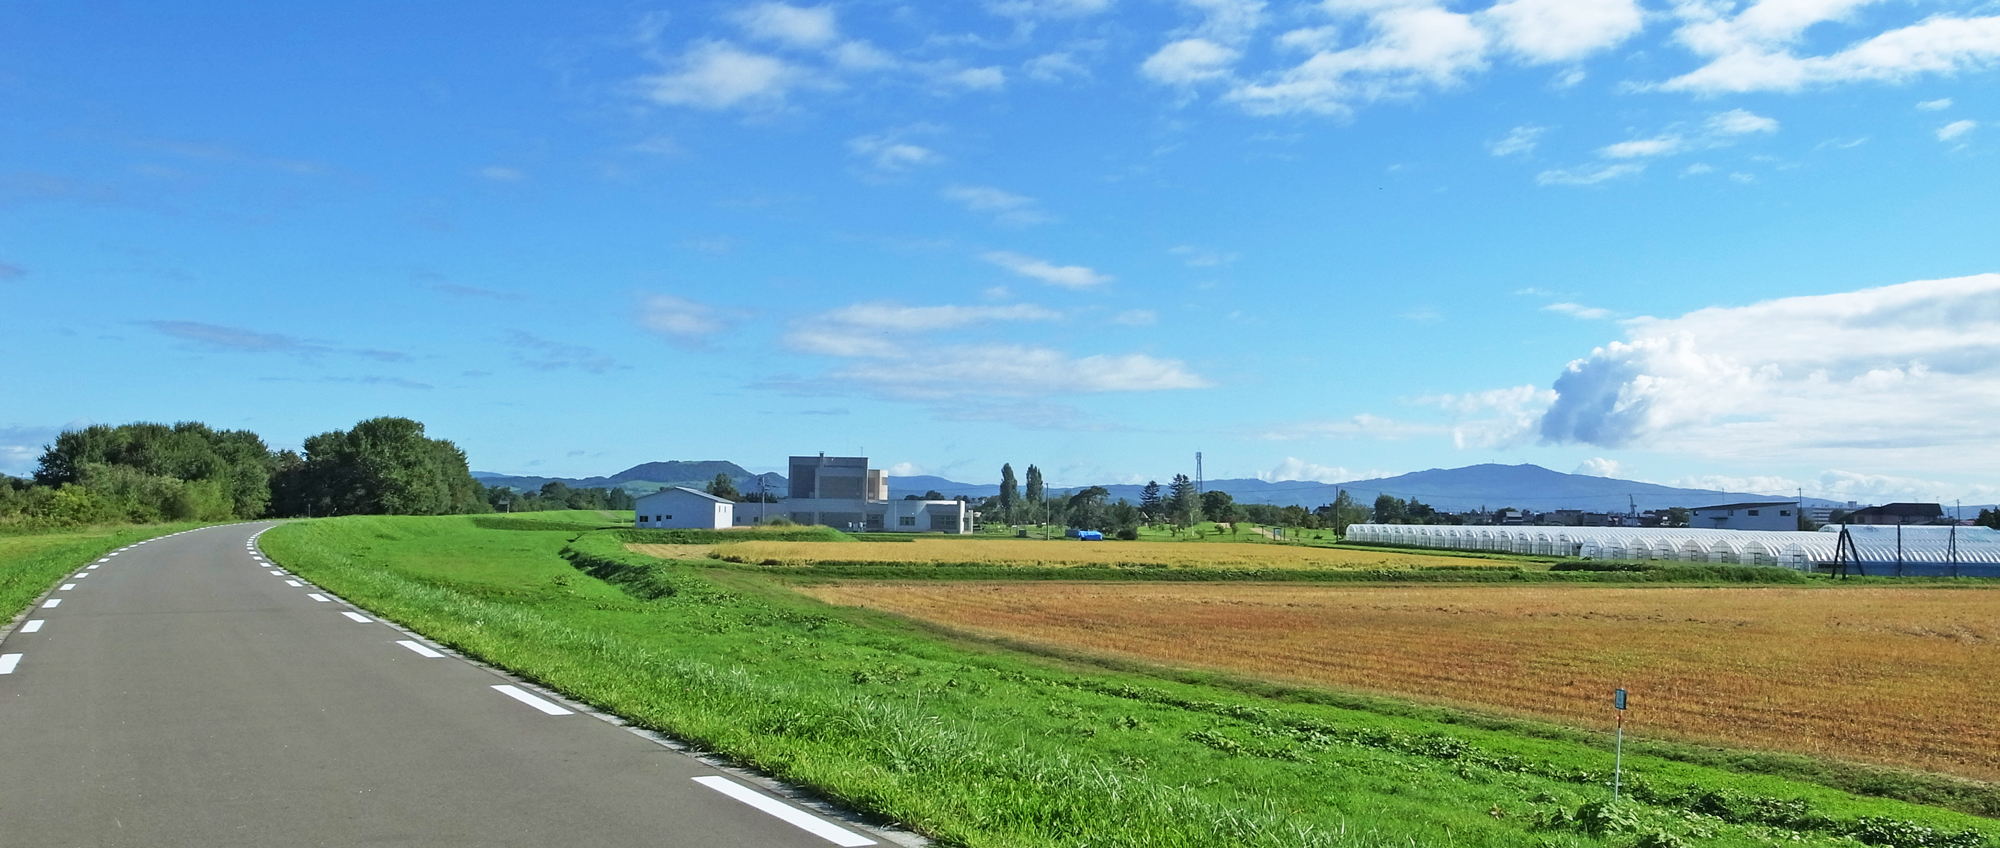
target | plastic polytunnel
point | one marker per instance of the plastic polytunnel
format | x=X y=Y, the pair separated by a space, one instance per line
x=1920 y=551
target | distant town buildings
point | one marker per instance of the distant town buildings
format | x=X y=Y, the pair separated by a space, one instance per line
x=1758 y=515
x=685 y=508
x=1898 y=513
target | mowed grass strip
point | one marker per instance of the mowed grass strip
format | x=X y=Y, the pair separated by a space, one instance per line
x=1029 y=553
x=1899 y=676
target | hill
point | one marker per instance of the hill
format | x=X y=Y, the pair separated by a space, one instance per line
x=645 y=477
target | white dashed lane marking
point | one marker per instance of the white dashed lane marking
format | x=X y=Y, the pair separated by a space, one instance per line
x=52 y=603
x=786 y=813
x=8 y=662
x=34 y=626
x=358 y=617
x=517 y=694
x=66 y=587
x=294 y=583
x=318 y=597
x=419 y=648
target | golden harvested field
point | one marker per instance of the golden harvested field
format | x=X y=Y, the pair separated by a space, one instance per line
x=672 y=551
x=1900 y=676
x=1053 y=554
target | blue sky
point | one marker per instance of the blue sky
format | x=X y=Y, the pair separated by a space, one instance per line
x=1749 y=245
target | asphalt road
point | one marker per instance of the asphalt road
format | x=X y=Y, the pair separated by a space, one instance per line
x=184 y=692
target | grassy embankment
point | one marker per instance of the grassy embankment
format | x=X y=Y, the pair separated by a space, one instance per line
x=30 y=562
x=982 y=746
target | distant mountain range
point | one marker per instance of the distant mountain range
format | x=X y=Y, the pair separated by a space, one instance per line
x=1489 y=486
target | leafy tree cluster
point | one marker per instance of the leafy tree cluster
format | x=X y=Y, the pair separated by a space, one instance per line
x=554 y=495
x=189 y=471
x=1988 y=518
x=1390 y=509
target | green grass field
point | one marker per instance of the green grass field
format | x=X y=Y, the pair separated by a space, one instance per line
x=979 y=745
x=32 y=562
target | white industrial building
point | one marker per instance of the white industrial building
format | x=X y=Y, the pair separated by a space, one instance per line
x=842 y=492
x=1762 y=515
x=682 y=507
x=1895 y=551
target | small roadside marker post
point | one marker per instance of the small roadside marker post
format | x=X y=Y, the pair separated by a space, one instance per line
x=1618 y=755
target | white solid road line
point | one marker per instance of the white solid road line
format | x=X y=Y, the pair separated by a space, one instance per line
x=318 y=597
x=786 y=813
x=294 y=583
x=34 y=626
x=358 y=617
x=419 y=648
x=8 y=661
x=525 y=698
x=53 y=603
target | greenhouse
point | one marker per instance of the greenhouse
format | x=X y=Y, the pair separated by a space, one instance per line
x=1917 y=551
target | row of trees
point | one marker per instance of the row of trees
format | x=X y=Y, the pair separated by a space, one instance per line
x=192 y=472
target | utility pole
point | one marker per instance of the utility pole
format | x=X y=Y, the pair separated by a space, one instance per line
x=1197 y=474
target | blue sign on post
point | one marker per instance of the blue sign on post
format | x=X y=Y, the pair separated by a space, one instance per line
x=1618 y=699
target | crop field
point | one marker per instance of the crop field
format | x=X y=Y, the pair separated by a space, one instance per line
x=1056 y=554
x=1897 y=676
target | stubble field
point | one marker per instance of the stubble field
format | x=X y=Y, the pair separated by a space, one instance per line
x=1898 y=676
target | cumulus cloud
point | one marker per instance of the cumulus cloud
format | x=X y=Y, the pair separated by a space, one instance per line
x=1048 y=8
x=1756 y=48
x=1642 y=147
x=1587 y=175
x=680 y=320
x=794 y=25
x=720 y=75
x=889 y=153
x=1741 y=122
x=1402 y=47
x=1955 y=129
x=1005 y=206
x=1519 y=141
x=1495 y=418
x=1909 y=370
x=1067 y=276
x=1294 y=468
x=1599 y=467
x=1189 y=61
x=1937 y=105
x=1578 y=310
x=1055 y=67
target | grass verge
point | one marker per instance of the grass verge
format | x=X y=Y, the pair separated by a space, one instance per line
x=984 y=747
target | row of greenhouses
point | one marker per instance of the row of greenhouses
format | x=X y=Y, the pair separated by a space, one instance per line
x=1905 y=551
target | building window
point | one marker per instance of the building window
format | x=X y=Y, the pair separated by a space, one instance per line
x=1784 y=512
x=666 y=518
x=906 y=521
x=1753 y=512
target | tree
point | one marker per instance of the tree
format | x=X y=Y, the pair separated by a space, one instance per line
x=1122 y=519
x=1678 y=516
x=1085 y=510
x=1418 y=512
x=1183 y=507
x=1389 y=509
x=216 y=473
x=1343 y=512
x=1219 y=506
x=724 y=488
x=1036 y=492
x=1988 y=518
x=1151 y=507
x=384 y=466
x=1010 y=492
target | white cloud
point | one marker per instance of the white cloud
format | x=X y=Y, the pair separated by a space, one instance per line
x=1294 y=468
x=1189 y=61
x=680 y=320
x=1599 y=467
x=21 y=447
x=862 y=56
x=1362 y=426
x=1664 y=145
x=916 y=319
x=1741 y=122
x=1006 y=207
x=500 y=174
x=1519 y=141
x=1588 y=175
x=1937 y=105
x=1068 y=276
x=1910 y=372
x=1410 y=46
x=1953 y=130
x=1136 y=317
x=1753 y=50
x=720 y=75
x=1544 y=31
x=906 y=469
x=887 y=153
x=1496 y=418
x=977 y=79
x=1841 y=485
x=794 y=25
x=1055 y=67
x=1578 y=310
x=1698 y=168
